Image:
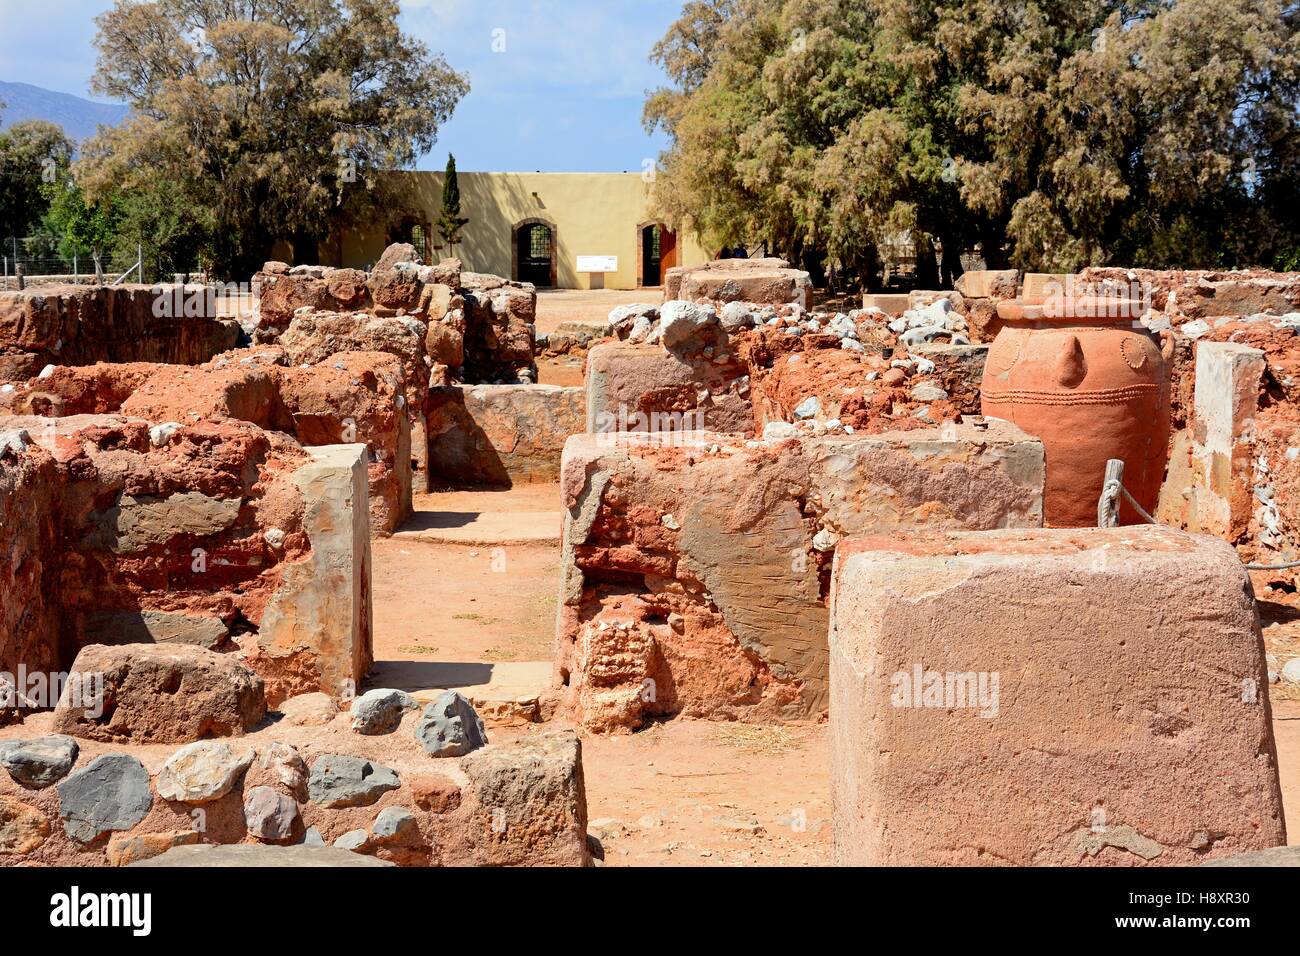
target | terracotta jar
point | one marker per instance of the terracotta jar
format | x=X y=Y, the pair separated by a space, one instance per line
x=1092 y=384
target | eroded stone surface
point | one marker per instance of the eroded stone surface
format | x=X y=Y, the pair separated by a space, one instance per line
x=967 y=668
x=202 y=772
x=338 y=780
x=110 y=793
x=449 y=727
x=158 y=693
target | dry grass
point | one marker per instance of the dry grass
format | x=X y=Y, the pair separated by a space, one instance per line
x=418 y=649
x=758 y=738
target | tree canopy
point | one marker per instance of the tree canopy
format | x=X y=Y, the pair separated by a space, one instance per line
x=262 y=120
x=1051 y=134
x=33 y=154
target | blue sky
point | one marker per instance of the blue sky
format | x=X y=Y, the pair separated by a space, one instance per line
x=565 y=94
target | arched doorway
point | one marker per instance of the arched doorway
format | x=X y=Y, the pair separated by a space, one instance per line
x=534 y=244
x=656 y=253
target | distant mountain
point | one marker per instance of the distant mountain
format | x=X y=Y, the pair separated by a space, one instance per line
x=78 y=117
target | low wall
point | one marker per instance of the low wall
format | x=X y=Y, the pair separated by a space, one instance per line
x=695 y=566
x=194 y=534
x=499 y=435
x=81 y=325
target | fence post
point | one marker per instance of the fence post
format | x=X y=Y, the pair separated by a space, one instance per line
x=76 y=276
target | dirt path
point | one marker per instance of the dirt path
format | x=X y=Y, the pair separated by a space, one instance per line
x=682 y=793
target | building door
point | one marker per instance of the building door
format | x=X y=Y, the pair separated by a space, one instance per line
x=658 y=253
x=651 y=253
x=536 y=254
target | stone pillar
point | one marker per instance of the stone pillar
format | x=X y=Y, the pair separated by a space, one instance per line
x=1048 y=697
x=1225 y=401
x=317 y=631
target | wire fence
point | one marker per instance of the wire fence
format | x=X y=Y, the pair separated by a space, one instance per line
x=42 y=260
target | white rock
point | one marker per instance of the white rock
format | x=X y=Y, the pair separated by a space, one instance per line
x=775 y=431
x=1291 y=671
x=159 y=435
x=669 y=522
x=808 y=408
x=825 y=540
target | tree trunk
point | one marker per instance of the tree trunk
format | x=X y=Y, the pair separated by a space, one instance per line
x=927 y=269
x=951 y=265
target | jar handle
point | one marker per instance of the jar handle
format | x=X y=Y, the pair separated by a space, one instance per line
x=1166 y=345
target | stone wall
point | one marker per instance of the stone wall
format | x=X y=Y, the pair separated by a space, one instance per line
x=695 y=568
x=499 y=435
x=478 y=328
x=344 y=396
x=29 y=613
x=1048 y=697
x=192 y=535
x=81 y=325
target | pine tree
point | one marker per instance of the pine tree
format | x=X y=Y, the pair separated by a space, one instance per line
x=450 y=221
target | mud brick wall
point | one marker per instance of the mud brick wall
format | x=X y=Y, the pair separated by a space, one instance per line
x=344 y=397
x=1106 y=686
x=191 y=534
x=29 y=609
x=81 y=325
x=626 y=381
x=499 y=435
x=695 y=568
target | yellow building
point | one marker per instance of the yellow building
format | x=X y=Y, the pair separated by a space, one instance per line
x=566 y=230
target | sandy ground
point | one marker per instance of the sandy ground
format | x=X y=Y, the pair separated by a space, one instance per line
x=681 y=793
x=588 y=306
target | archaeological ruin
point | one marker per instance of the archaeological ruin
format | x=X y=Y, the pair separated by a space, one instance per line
x=999 y=575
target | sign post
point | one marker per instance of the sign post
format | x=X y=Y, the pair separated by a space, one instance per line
x=596 y=268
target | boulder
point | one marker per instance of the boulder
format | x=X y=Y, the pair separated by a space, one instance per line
x=158 y=693
x=343 y=781
x=449 y=727
x=395 y=253
x=202 y=772
x=38 y=763
x=531 y=800
x=380 y=711
x=270 y=815
x=110 y=793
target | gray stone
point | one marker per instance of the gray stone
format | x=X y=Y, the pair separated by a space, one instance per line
x=1291 y=671
x=36 y=764
x=253 y=855
x=270 y=814
x=343 y=781
x=926 y=392
x=681 y=321
x=110 y=793
x=449 y=727
x=202 y=772
x=313 y=838
x=358 y=841
x=394 y=825
x=154 y=627
x=380 y=711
